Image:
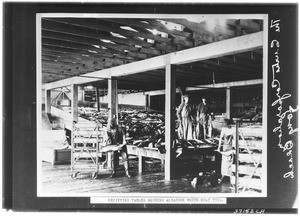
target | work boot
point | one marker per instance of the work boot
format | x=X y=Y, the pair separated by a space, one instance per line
x=126 y=165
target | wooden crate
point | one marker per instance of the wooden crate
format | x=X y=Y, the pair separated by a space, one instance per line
x=56 y=156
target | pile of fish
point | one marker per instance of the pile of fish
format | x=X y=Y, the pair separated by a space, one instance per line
x=144 y=129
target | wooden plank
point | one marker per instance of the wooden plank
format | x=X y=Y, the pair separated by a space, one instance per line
x=48 y=101
x=228 y=103
x=216 y=85
x=247 y=158
x=248 y=170
x=89 y=48
x=255 y=131
x=141 y=163
x=112 y=98
x=170 y=121
x=113 y=28
x=89 y=41
x=214 y=50
x=51 y=25
x=83 y=53
x=250 y=183
x=237 y=157
x=250 y=24
x=74 y=102
x=221 y=48
x=98 y=99
x=151 y=24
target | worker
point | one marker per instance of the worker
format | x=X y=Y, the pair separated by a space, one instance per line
x=116 y=136
x=225 y=147
x=202 y=119
x=185 y=118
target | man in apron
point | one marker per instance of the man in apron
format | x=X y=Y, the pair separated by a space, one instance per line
x=185 y=118
x=202 y=119
x=116 y=136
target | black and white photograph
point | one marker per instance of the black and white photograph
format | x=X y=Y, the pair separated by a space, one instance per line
x=146 y=106
x=172 y=104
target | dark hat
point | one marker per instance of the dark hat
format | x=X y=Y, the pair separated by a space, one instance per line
x=203 y=97
x=186 y=95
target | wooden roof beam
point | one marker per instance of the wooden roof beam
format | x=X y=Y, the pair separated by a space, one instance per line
x=151 y=24
x=214 y=50
x=95 y=24
x=89 y=48
x=79 y=41
x=83 y=53
x=52 y=25
x=216 y=85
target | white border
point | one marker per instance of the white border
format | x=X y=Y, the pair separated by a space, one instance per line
x=264 y=17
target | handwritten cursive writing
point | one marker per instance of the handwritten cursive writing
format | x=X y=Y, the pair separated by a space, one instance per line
x=275 y=24
x=282 y=115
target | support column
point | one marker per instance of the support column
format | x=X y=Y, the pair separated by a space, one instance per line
x=98 y=99
x=112 y=97
x=228 y=103
x=170 y=121
x=48 y=100
x=112 y=108
x=147 y=102
x=74 y=105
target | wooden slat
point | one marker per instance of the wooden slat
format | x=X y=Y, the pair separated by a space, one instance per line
x=113 y=28
x=151 y=24
x=193 y=26
x=217 y=85
x=86 y=47
x=85 y=140
x=252 y=183
x=248 y=170
x=85 y=40
x=170 y=98
x=214 y=50
x=247 y=158
x=51 y=25
x=158 y=26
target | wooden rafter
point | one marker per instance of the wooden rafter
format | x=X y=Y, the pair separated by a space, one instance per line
x=218 y=49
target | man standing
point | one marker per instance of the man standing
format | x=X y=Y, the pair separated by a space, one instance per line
x=202 y=119
x=184 y=115
x=116 y=136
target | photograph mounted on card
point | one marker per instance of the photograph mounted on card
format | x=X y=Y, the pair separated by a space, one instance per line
x=153 y=108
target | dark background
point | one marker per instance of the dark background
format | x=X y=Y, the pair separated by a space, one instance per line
x=19 y=107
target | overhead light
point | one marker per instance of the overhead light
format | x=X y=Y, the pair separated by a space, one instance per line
x=89 y=87
x=128 y=28
x=154 y=31
x=117 y=35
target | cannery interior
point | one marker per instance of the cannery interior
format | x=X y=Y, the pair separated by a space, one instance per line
x=166 y=104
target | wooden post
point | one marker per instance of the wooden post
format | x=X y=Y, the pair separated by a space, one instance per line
x=141 y=164
x=48 y=100
x=170 y=121
x=228 y=103
x=74 y=105
x=98 y=99
x=112 y=108
x=236 y=157
x=147 y=102
x=112 y=97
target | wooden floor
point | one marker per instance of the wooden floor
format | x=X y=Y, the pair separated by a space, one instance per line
x=56 y=179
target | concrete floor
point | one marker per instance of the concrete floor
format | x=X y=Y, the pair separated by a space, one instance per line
x=56 y=179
